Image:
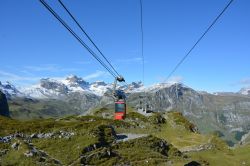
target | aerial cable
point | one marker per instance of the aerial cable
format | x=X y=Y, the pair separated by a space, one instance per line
x=78 y=24
x=76 y=36
x=202 y=36
x=142 y=54
x=142 y=44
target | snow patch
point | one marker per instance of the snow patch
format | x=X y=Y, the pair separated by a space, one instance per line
x=245 y=91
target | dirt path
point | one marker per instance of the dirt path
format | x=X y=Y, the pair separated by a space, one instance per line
x=129 y=136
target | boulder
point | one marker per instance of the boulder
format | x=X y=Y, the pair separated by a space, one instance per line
x=34 y=135
x=15 y=145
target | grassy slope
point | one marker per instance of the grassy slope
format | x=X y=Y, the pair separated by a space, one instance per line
x=175 y=130
x=33 y=109
x=179 y=135
x=234 y=157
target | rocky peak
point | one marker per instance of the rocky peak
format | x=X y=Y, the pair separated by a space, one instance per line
x=73 y=79
x=133 y=87
x=53 y=85
x=136 y=84
x=8 y=85
x=99 y=83
x=9 y=90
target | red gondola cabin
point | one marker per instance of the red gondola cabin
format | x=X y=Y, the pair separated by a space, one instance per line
x=120 y=110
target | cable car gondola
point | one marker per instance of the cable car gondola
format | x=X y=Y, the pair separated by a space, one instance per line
x=120 y=110
x=120 y=101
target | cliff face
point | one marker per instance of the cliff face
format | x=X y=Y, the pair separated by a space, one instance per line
x=227 y=113
x=4 y=108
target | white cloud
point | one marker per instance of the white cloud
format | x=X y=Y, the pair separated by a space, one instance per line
x=21 y=79
x=171 y=80
x=245 y=81
x=26 y=78
x=49 y=68
x=42 y=68
x=32 y=74
x=96 y=74
x=27 y=72
x=7 y=76
x=4 y=75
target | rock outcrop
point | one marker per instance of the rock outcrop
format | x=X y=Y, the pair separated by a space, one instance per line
x=4 y=108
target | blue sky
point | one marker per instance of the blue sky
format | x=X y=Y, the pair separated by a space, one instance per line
x=33 y=44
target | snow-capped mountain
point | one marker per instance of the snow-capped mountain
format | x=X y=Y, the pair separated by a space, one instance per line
x=56 y=88
x=10 y=90
x=158 y=86
x=245 y=91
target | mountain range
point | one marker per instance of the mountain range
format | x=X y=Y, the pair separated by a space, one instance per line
x=57 y=88
x=225 y=113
